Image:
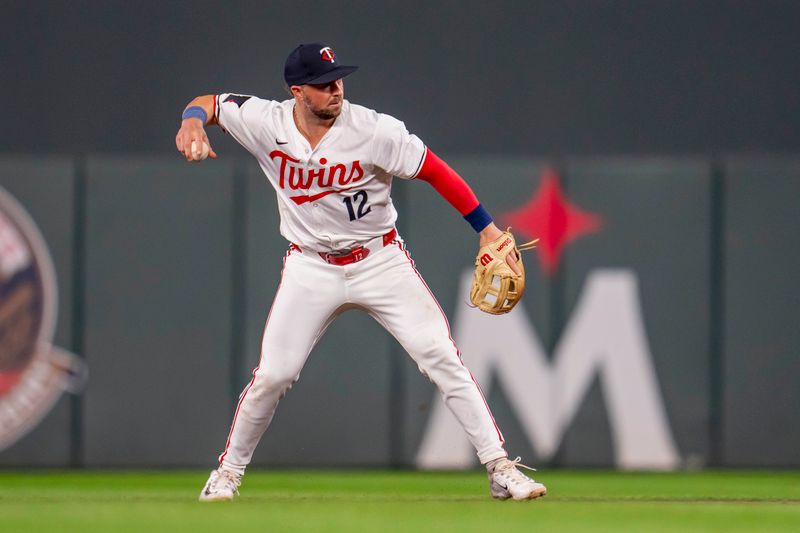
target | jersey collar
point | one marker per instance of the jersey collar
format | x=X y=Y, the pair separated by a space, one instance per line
x=331 y=134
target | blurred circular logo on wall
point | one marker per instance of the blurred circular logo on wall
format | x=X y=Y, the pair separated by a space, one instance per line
x=33 y=372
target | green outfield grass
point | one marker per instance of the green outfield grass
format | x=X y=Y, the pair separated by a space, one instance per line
x=378 y=501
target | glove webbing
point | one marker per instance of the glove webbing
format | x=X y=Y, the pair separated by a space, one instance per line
x=528 y=245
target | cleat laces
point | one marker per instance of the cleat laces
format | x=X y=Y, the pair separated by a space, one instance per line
x=225 y=480
x=510 y=471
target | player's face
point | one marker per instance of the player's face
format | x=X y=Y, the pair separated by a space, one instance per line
x=324 y=100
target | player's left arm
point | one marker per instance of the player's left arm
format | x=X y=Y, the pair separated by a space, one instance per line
x=404 y=155
x=453 y=188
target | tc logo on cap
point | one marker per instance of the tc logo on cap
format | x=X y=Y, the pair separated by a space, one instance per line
x=327 y=54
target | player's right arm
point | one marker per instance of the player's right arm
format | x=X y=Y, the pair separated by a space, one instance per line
x=193 y=127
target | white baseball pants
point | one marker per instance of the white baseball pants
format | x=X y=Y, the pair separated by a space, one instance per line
x=387 y=286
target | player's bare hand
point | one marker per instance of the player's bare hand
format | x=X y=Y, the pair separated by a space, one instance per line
x=492 y=232
x=192 y=130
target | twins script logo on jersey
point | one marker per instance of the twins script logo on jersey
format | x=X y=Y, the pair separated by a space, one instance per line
x=296 y=177
x=327 y=54
x=33 y=373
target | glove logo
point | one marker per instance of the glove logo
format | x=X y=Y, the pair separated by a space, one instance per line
x=503 y=245
x=327 y=54
x=33 y=372
x=496 y=288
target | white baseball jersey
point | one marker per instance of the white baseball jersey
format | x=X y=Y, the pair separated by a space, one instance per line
x=334 y=196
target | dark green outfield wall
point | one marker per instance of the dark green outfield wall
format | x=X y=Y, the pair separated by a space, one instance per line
x=166 y=272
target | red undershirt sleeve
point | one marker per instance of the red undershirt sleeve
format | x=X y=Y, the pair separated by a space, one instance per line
x=447 y=183
x=454 y=189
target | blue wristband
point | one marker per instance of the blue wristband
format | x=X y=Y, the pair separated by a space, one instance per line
x=478 y=218
x=195 y=112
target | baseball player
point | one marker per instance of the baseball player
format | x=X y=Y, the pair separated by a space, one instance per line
x=331 y=164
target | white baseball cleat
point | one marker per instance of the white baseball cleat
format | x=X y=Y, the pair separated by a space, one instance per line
x=221 y=486
x=506 y=481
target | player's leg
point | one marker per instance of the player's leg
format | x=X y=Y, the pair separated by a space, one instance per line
x=395 y=294
x=306 y=302
x=309 y=294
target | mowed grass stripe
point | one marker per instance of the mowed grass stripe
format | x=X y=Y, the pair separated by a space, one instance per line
x=355 y=501
x=573 y=484
x=385 y=498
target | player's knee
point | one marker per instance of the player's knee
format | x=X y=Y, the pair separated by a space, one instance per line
x=427 y=342
x=274 y=380
x=436 y=356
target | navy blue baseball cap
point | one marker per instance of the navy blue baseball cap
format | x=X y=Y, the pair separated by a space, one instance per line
x=314 y=63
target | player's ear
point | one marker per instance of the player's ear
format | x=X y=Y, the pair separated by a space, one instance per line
x=297 y=91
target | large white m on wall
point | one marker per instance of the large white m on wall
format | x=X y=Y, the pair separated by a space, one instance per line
x=605 y=336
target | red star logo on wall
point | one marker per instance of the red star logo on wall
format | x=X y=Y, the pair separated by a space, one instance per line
x=551 y=217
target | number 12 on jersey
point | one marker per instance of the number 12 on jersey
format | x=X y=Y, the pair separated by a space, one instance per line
x=357 y=205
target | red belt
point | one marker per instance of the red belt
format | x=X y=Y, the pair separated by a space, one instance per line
x=354 y=255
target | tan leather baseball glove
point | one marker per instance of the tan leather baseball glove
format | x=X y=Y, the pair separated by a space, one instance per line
x=496 y=289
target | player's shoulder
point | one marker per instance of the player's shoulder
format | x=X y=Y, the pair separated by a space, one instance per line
x=246 y=101
x=235 y=108
x=359 y=115
x=365 y=118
